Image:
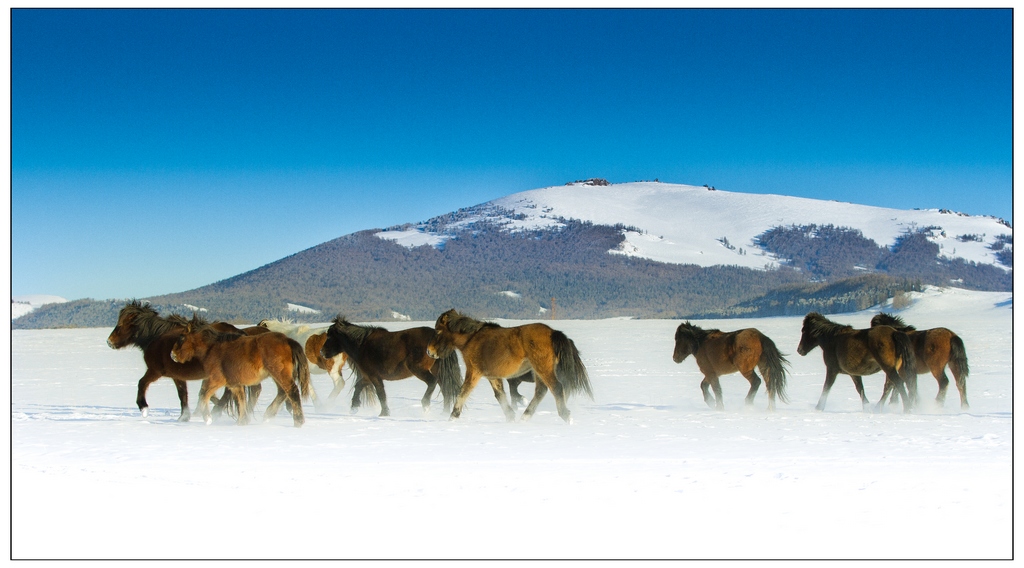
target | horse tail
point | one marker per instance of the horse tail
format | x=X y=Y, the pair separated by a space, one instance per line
x=958 y=358
x=367 y=394
x=300 y=368
x=906 y=362
x=569 y=369
x=773 y=361
x=449 y=378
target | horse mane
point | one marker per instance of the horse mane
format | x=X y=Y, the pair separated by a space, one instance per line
x=147 y=325
x=817 y=325
x=200 y=325
x=695 y=334
x=463 y=324
x=357 y=333
x=892 y=321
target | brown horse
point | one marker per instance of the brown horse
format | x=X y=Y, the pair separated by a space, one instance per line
x=235 y=361
x=499 y=353
x=332 y=366
x=859 y=352
x=377 y=355
x=934 y=349
x=140 y=325
x=721 y=353
x=313 y=341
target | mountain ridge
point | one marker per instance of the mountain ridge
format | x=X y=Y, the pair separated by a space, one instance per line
x=511 y=256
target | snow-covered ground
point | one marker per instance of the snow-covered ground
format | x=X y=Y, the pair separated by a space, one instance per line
x=686 y=224
x=646 y=470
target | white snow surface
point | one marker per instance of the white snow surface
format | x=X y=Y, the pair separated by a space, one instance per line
x=646 y=470
x=685 y=224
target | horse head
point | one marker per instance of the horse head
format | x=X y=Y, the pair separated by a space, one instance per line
x=339 y=338
x=441 y=344
x=686 y=342
x=191 y=343
x=126 y=330
x=809 y=334
x=445 y=319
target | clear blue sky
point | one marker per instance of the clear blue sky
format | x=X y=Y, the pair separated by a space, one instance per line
x=156 y=151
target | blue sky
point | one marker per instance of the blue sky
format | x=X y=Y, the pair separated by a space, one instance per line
x=155 y=151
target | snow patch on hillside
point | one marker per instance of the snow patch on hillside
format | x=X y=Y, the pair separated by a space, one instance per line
x=684 y=224
x=302 y=309
x=21 y=305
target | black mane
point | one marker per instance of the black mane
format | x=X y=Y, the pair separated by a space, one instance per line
x=694 y=334
x=463 y=324
x=146 y=325
x=816 y=325
x=357 y=333
x=891 y=321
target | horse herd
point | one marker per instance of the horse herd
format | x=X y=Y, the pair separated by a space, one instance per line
x=238 y=360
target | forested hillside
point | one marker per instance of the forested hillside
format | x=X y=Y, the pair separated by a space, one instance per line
x=489 y=272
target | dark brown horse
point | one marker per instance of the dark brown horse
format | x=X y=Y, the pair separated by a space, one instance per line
x=499 y=353
x=235 y=361
x=721 y=353
x=377 y=355
x=859 y=352
x=934 y=349
x=140 y=325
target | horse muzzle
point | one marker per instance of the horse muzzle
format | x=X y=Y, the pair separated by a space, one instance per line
x=432 y=353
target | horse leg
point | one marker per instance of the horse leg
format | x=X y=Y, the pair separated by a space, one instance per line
x=716 y=386
x=943 y=381
x=144 y=383
x=538 y=393
x=705 y=387
x=559 y=394
x=499 y=393
x=830 y=379
x=513 y=391
x=243 y=409
x=183 y=398
x=893 y=380
x=755 y=382
x=203 y=408
x=472 y=377
x=357 y=392
x=431 y=380
x=378 y=385
x=275 y=405
x=858 y=383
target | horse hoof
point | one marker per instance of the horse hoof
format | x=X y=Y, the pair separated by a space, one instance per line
x=145 y=412
x=208 y=420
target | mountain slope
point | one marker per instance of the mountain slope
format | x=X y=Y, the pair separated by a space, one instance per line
x=592 y=251
x=684 y=224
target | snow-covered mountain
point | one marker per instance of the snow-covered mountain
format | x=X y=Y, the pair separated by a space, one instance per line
x=685 y=224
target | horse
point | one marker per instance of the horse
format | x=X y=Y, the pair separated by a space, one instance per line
x=377 y=355
x=934 y=349
x=235 y=360
x=498 y=353
x=312 y=339
x=859 y=352
x=140 y=325
x=721 y=353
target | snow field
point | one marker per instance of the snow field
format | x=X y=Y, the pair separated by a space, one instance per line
x=646 y=470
